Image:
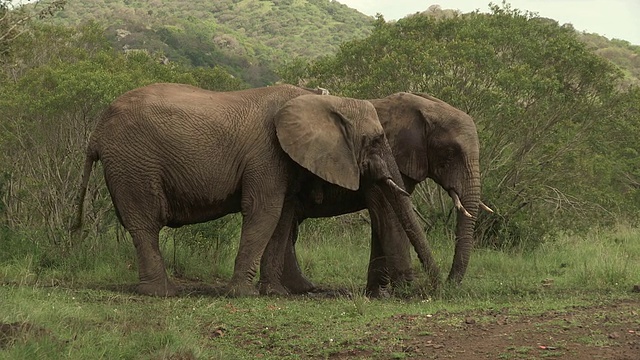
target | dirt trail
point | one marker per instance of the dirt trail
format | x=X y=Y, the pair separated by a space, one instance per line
x=597 y=332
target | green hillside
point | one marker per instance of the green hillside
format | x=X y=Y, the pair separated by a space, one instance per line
x=620 y=52
x=249 y=37
x=253 y=37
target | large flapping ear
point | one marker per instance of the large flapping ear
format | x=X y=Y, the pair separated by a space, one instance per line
x=410 y=147
x=318 y=137
x=406 y=126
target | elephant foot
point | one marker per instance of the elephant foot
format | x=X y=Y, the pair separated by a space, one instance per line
x=240 y=290
x=377 y=292
x=268 y=288
x=400 y=286
x=165 y=288
x=301 y=288
x=296 y=283
x=454 y=278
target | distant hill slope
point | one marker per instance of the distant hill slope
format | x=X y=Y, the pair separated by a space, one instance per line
x=620 y=52
x=252 y=37
x=247 y=36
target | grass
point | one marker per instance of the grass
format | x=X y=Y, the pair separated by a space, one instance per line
x=66 y=295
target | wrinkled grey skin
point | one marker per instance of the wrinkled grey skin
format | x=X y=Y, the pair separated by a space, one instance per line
x=175 y=155
x=429 y=139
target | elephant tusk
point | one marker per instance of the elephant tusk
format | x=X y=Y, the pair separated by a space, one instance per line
x=458 y=204
x=396 y=187
x=322 y=91
x=484 y=207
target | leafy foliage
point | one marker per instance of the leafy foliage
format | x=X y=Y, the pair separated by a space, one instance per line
x=247 y=37
x=557 y=124
x=548 y=111
x=48 y=109
x=13 y=22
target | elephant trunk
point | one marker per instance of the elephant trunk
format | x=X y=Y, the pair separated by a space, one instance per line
x=403 y=208
x=467 y=203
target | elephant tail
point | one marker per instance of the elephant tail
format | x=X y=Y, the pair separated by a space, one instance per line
x=91 y=157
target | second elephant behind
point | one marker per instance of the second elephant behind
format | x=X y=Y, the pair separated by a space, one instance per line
x=429 y=139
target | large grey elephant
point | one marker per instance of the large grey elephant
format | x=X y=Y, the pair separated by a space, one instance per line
x=175 y=155
x=429 y=139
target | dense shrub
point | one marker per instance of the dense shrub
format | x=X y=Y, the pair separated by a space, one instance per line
x=557 y=131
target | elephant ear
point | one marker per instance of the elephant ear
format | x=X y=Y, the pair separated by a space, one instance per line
x=407 y=133
x=318 y=137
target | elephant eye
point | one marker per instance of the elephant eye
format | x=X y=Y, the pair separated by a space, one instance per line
x=449 y=155
x=377 y=141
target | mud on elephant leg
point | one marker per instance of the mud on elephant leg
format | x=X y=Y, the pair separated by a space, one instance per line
x=151 y=270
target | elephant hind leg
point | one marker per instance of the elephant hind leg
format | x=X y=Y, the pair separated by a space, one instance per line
x=152 y=273
x=277 y=268
x=292 y=277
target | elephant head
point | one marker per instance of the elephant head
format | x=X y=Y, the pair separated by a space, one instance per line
x=432 y=139
x=342 y=141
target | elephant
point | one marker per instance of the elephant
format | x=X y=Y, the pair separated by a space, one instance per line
x=429 y=139
x=175 y=154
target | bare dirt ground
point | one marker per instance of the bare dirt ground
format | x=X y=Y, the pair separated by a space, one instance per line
x=608 y=331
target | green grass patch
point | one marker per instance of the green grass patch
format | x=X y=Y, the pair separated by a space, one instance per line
x=66 y=304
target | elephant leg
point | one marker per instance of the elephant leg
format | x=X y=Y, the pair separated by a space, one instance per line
x=377 y=274
x=261 y=214
x=292 y=277
x=272 y=266
x=390 y=260
x=152 y=273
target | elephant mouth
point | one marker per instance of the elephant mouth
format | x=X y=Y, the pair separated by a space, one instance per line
x=458 y=204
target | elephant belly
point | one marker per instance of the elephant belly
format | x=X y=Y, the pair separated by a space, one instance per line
x=187 y=211
x=335 y=201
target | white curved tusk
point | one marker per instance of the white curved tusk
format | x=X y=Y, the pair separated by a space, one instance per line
x=458 y=204
x=396 y=187
x=484 y=207
x=322 y=91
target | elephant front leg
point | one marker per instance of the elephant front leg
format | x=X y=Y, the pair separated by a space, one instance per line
x=377 y=274
x=259 y=222
x=151 y=271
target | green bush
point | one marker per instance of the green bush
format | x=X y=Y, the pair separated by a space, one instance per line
x=556 y=126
